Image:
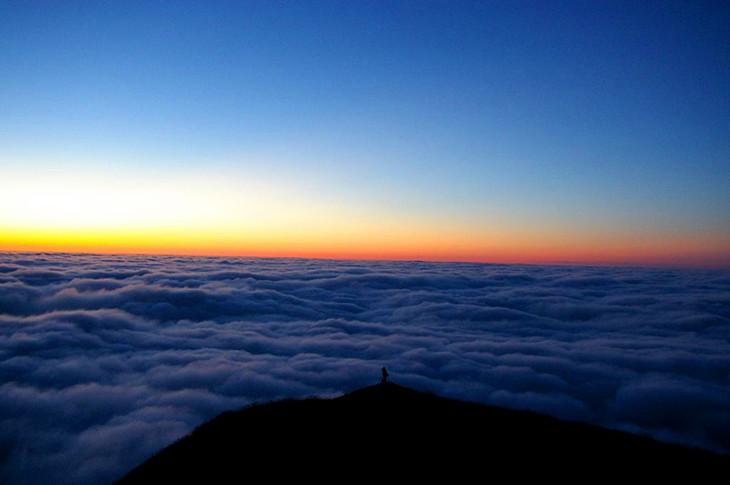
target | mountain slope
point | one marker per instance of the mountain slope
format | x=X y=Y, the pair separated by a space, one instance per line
x=392 y=431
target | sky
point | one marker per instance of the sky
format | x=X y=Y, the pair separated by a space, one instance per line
x=524 y=132
x=105 y=359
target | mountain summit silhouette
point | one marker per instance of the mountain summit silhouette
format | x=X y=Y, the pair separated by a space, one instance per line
x=388 y=432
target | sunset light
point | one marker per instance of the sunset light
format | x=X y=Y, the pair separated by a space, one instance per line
x=201 y=213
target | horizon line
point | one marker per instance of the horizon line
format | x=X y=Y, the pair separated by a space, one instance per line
x=556 y=263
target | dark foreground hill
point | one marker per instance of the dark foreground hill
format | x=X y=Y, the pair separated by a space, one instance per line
x=390 y=433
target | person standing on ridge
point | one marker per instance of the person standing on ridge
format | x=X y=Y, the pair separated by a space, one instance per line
x=384 y=379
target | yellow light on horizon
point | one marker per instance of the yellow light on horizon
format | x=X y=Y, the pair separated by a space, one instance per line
x=204 y=215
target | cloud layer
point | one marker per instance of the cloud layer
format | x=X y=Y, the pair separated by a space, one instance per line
x=105 y=359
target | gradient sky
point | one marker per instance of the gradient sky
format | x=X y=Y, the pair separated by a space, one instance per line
x=588 y=132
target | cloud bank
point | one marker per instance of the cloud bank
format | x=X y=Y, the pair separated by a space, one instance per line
x=106 y=359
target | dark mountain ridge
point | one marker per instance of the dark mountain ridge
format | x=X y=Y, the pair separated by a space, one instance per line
x=395 y=432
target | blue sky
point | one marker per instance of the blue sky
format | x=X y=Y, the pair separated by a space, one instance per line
x=584 y=116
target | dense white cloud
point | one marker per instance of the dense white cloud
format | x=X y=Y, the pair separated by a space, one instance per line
x=105 y=359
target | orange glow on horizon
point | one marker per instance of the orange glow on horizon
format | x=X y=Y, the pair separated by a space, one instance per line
x=203 y=215
x=415 y=244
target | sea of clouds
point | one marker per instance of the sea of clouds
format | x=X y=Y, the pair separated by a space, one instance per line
x=106 y=359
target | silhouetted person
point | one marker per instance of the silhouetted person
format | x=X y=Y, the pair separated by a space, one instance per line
x=384 y=379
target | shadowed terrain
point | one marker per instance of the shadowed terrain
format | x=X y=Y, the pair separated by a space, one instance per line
x=391 y=431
